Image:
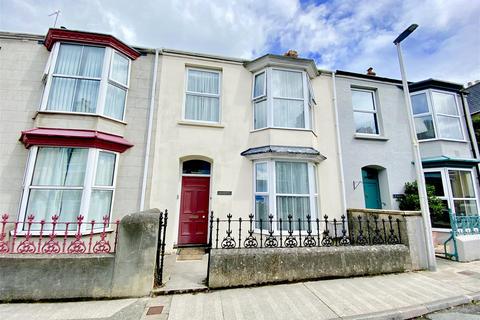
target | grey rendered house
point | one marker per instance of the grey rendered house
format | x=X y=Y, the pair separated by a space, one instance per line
x=375 y=140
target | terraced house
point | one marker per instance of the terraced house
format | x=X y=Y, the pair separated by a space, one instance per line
x=93 y=126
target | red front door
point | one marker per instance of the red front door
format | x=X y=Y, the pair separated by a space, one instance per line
x=193 y=227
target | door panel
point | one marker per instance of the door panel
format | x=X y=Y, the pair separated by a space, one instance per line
x=193 y=224
x=371 y=189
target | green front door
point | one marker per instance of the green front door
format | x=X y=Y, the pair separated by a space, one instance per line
x=371 y=189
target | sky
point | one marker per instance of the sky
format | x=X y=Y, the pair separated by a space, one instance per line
x=346 y=35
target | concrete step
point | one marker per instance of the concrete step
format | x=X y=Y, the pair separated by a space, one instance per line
x=194 y=253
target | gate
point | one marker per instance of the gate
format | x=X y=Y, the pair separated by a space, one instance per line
x=162 y=230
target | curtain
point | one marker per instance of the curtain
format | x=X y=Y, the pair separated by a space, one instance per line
x=444 y=103
x=202 y=108
x=100 y=203
x=105 y=169
x=119 y=71
x=259 y=87
x=260 y=114
x=57 y=168
x=291 y=177
x=115 y=102
x=298 y=207
x=288 y=113
x=449 y=127
x=203 y=82
x=287 y=84
x=75 y=60
x=362 y=100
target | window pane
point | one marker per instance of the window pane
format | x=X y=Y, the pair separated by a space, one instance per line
x=100 y=203
x=196 y=167
x=444 y=103
x=119 y=71
x=465 y=207
x=201 y=108
x=462 y=184
x=261 y=175
x=424 y=127
x=298 y=207
x=43 y=204
x=434 y=179
x=365 y=122
x=362 y=100
x=203 y=82
x=261 y=211
x=115 y=102
x=78 y=60
x=86 y=94
x=449 y=128
x=287 y=84
x=260 y=114
x=419 y=103
x=105 y=169
x=441 y=220
x=288 y=113
x=60 y=167
x=291 y=177
x=259 y=87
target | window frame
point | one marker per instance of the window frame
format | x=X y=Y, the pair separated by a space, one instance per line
x=432 y=112
x=104 y=80
x=219 y=95
x=308 y=112
x=447 y=187
x=375 y=112
x=272 y=194
x=87 y=188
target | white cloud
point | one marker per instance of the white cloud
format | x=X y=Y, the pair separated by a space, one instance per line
x=340 y=34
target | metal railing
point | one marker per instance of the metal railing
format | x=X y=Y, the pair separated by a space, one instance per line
x=57 y=237
x=461 y=226
x=162 y=231
x=291 y=233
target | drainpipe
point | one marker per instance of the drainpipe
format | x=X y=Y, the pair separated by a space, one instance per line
x=339 y=146
x=471 y=131
x=149 y=132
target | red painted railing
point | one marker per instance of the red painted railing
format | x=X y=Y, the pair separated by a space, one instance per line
x=57 y=237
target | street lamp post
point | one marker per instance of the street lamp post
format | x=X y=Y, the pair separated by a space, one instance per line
x=432 y=264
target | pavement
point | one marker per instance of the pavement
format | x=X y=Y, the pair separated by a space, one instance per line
x=394 y=296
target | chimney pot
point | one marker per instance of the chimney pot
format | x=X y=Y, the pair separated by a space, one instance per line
x=370 y=72
x=291 y=53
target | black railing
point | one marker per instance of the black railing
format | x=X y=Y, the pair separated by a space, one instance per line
x=296 y=232
x=162 y=230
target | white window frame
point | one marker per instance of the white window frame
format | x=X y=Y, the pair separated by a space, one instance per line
x=374 y=111
x=447 y=188
x=432 y=112
x=268 y=97
x=87 y=188
x=104 y=80
x=272 y=192
x=219 y=95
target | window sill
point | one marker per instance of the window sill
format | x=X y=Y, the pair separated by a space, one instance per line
x=281 y=128
x=443 y=139
x=200 y=124
x=94 y=115
x=442 y=230
x=370 y=137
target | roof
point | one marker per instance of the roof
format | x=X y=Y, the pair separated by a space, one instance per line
x=473 y=98
x=283 y=61
x=287 y=151
x=366 y=76
x=435 y=84
x=445 y=161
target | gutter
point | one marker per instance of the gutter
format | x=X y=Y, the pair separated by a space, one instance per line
x=471 y=132
x=339 y=146
x=149 y=132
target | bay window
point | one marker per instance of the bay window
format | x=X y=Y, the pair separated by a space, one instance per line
x=436 y=115
x=67 y=182
x=282 y=99
x=86 y=79
x=282 y=188
x=202 y=96
x=455 y=187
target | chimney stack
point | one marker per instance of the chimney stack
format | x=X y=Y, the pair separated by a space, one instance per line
x=370 y=72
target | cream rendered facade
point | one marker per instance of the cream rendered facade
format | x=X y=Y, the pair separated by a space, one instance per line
x=178 y=140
